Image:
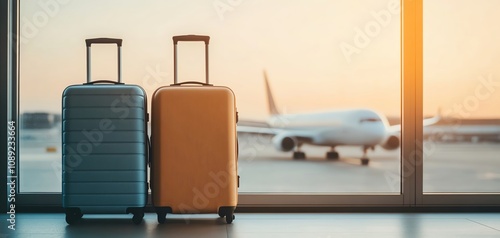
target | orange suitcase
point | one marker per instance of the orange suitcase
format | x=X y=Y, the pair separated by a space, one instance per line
x=194 y=144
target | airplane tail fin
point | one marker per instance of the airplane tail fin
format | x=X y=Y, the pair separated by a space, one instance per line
x=270 y=100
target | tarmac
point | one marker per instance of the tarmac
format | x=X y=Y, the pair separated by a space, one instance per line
x=448 y=168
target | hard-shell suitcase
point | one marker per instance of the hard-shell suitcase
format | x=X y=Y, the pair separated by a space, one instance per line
x=194 y=146
x=105 y=146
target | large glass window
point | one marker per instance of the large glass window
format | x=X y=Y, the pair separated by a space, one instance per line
x=462 y=82
x=317 y=82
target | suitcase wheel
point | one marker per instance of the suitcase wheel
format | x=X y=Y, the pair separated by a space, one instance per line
x=162 y=213
x=227 y=212
x=162 y=217
x=137 y=218
x=73 y=215
x=138 y=213
x=230 y=218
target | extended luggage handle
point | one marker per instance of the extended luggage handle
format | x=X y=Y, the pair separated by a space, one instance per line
x=118 y=43
x=205 y=39
x=150 y=151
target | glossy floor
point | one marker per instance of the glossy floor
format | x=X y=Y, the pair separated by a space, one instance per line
x=322 y=225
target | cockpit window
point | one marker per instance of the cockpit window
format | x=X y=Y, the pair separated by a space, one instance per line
x=372 y=119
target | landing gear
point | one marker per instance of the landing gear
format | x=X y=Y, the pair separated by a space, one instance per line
x=299 y=154
x=364 y=158
x=332 y=154
x=365 y=161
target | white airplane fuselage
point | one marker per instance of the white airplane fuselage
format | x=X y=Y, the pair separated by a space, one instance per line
x=356 y=127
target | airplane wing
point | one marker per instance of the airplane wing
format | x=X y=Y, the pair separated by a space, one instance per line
x=396 y=129
x=264 y=129
x=258 y=130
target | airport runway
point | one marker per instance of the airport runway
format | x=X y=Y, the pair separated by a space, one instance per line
x=449 y=167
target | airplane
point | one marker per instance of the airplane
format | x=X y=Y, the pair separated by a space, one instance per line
x=463 y=130
x=349 y=127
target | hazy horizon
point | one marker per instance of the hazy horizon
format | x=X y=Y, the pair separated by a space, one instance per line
x=319 y=55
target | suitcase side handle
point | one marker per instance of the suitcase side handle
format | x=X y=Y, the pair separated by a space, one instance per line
x=205 y=39
x=191 y=82
x=118 y=43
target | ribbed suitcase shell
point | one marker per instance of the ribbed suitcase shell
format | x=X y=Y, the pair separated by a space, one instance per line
x=193 y=136
x=104 y=148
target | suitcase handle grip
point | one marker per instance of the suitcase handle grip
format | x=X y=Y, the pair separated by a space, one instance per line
x=102 y=81
x=176 y=39
x=191 y=82
x=118 y=42
x=205 y=39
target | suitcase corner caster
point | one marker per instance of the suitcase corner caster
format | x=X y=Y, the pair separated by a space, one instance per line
x=162 y=214
x=227 y=212
x=230 y=218
x=137 y=218
x=73 y=215
x=138 y=213
x=162 y=217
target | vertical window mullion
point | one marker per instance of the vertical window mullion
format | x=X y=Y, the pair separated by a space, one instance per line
x=411 y=42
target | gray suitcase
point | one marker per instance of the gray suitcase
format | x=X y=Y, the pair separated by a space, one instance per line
x=105 y=146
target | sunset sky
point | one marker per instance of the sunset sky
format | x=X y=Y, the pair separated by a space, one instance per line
x=319 y=55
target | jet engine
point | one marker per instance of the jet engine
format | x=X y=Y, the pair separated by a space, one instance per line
x=391 y=143
x=284 y=143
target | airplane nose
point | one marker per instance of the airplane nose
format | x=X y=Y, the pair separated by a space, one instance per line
x=376 y=133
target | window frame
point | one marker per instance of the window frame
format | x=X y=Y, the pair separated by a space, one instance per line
x=411 y=171
x=4 y=69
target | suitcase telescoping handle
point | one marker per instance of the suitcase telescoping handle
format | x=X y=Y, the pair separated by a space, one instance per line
x=118 y=43
x=205 y=39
